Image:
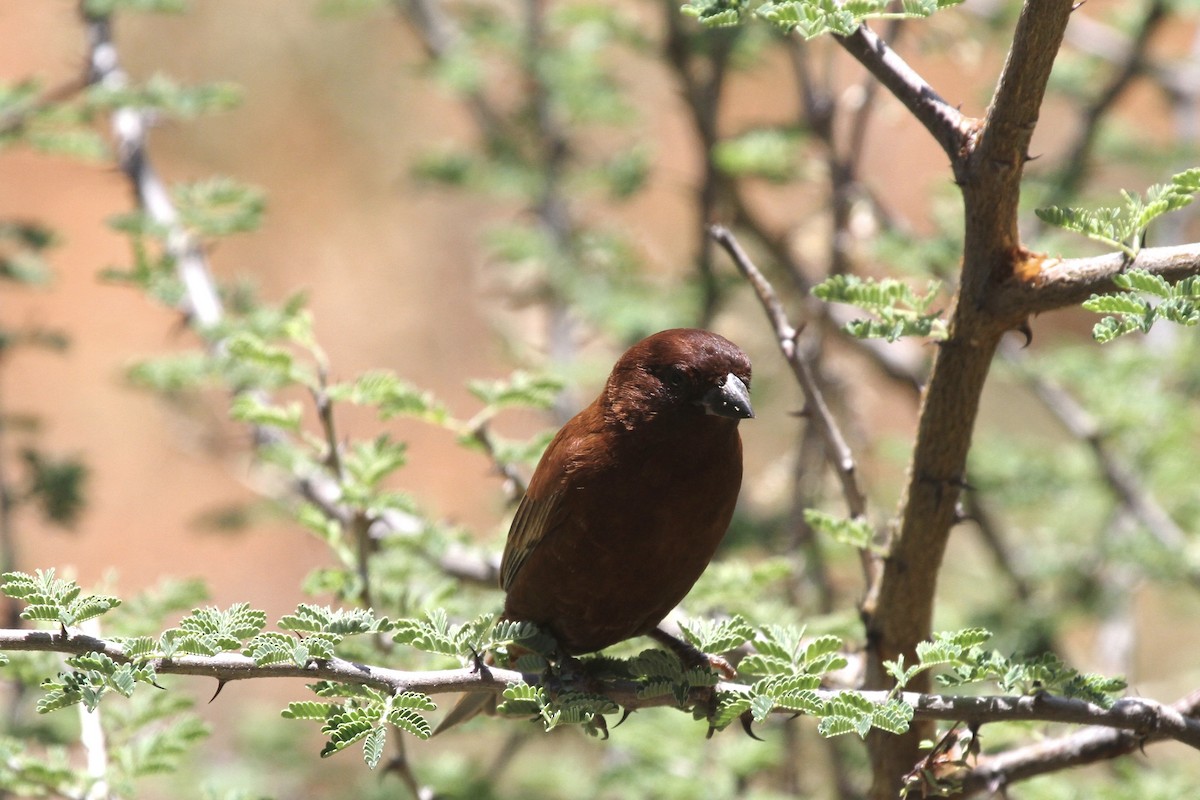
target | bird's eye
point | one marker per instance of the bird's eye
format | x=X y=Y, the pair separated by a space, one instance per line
x=673 y=376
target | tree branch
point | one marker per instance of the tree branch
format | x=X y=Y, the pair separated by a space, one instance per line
x=949 y=127
x=993 y=773
x=1055 y=283
x=899 y=614
x=1143 y=717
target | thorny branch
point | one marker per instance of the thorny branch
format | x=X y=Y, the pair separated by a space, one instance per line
x=1145 y=717
x=1093 y=744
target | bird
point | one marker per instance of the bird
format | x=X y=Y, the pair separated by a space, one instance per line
x=632 y=497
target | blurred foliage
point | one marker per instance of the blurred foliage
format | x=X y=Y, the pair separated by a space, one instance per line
x=562 y=136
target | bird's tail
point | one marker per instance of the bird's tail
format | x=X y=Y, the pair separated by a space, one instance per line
x=469 y=706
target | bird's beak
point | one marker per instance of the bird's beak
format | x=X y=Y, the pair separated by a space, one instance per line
x=730 y=399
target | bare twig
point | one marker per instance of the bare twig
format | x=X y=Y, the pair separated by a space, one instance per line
x=787 y=336
x=1088 y=746
x=949 y=127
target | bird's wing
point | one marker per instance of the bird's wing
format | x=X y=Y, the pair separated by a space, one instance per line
x=535 y=516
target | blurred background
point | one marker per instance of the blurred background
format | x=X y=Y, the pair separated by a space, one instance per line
x=340 y=108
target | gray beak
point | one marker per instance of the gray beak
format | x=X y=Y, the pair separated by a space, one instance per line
x=730 y=399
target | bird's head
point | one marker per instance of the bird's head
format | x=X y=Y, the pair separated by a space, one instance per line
x=683 y=370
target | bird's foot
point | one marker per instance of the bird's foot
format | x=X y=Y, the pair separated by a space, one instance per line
x=692 y=656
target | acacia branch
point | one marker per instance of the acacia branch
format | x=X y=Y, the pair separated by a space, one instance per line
x=993 y=773
x=837 y=450
x=899 y=614
x=949 y=127
x=1143 y=717
x=1055 y=283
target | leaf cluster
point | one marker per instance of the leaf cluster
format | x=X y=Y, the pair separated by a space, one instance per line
x=791 y=669
x=1130 y=310
x=1123 y=227
x=811 y=18
x=898 y=310
x=965 y=661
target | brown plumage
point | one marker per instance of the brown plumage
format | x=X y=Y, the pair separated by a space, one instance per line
x=629 y=501
x=633 y=496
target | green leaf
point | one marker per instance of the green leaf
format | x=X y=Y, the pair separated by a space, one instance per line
x=373 y=746
x=1139 y=280
x=854 y=532
x=893 y=716
x=253 y=409
x=1123 y=227
x=165 y=96
x=898 y=309
x=436 y=635
x=768 y=153
x=57 y=485
x=718 y=636
x=1116 y=304
x=730 y=706
x=367 y=463
x=391 y=395
x=521 y=699
x=219 y=206
x=51 y=599
x=209 y=631
x=520 y=389
x=308 y=710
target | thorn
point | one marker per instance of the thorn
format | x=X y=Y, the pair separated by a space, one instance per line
x=220 y=685
x=479 y=664
x=747 y=720
x=625 y=714
x=1027 y=332
x=803 y=413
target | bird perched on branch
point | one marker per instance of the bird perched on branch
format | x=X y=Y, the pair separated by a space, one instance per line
x=632 y=497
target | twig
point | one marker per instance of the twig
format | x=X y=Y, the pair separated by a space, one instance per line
x=130 y=127
x=993 y=773
x=1146 y=718
x=514 y=483
x=949 y=127
x=92 y=738
x=837 y=450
